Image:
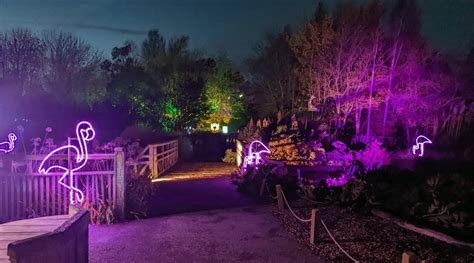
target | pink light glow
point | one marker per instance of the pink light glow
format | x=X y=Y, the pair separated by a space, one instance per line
x=84 y=133
x=9 y=145
x=255 y=158
x=419 y=144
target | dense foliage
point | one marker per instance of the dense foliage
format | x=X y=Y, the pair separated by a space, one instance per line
x=364 y=68
x=162 y=84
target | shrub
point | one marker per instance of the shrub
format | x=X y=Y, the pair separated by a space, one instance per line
x=101 y=213
x=373 y=157
x=139 y=189
x=250 y=180
x=430 y=195
x=230 y=157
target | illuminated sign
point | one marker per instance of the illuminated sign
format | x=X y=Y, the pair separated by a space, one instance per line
x=419 y=144
x=225 y=129
x=84 y=133
x=9 y=145
x=255 y=158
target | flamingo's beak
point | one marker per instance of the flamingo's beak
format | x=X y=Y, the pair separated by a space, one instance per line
x=90 y=133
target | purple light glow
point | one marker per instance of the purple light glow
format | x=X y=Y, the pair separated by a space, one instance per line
x=9 y=145
x=342 y=180
x=254 y=158
x=419 y=144
x=84 y=133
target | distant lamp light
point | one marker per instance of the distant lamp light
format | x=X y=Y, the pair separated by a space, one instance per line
x=214 y=127
x=241 y=95
x=225 y=129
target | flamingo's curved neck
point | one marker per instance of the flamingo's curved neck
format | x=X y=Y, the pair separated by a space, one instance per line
x=82 y=146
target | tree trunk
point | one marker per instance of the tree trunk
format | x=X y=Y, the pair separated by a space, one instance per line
x=387 y=99
x=395 y=55
x=358 y=115
x=371 y=87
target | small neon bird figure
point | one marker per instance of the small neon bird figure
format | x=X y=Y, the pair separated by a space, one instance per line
x=9 y=145
x=419 y=144
x=85 y=133
x=254 y=158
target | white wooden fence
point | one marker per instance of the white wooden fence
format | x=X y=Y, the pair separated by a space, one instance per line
x=26 y=193
x=156 y=159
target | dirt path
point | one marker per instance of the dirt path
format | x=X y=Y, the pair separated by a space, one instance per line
x=249 y=234
x=203 y=220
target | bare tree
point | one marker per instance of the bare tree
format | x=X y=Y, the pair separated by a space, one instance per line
x=72 y=67
x=23 y=56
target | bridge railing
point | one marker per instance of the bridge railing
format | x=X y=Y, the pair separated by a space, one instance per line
x=156 y=159
x=24 y=192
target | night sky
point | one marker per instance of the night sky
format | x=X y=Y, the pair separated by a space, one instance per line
x=214 y=26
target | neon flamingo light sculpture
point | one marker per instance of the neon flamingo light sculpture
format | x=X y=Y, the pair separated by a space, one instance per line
x=85 y=133
x=254 y=158
x=9 y=145
x=419 y=144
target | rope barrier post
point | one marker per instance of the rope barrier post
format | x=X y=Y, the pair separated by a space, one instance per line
x=408 y=257
x=262 y=187
x=312 y=232
x=281 y=205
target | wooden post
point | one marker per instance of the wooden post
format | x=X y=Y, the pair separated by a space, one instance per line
x=312 y=232
x=151 y=160
x=120 y=182
x=408 y=257
x=262 y=187
x=281 y=204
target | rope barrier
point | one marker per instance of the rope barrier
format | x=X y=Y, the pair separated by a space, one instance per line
x=337 y=244
x=291 y=210
x=309 y=220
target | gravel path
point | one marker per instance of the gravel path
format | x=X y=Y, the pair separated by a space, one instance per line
x=250 y=234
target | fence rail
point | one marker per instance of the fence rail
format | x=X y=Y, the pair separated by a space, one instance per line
x=26 y=193
x=157 y=158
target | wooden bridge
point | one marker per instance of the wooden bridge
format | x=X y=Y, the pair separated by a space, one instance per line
x=160 y=163
x=193 y=171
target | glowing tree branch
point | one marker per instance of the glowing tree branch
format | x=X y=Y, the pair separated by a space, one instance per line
x=419 y=144
x=255 y=158
x=9 y=145
x=84 y=133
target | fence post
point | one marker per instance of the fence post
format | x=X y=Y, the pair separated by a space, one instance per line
x=176 y=146
x=151 y=160
x=312 y=232
x=120 y=182
x=281 y=204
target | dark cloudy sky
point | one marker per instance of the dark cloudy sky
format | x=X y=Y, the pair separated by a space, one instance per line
x=232 y=26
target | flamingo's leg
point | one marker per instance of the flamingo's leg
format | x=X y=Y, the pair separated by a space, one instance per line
x=79 y=194
x=414 y=148
x=61 y=180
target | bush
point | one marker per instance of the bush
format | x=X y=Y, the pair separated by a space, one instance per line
x=101 y=213
x=230 y=157
x=439 y=196
x=139 y=189
x=250 y=180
